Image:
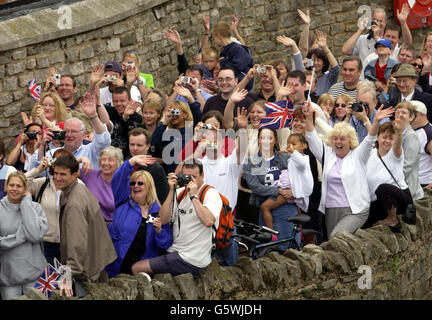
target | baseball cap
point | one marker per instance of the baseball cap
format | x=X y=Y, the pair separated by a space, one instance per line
x=419 y=106
x=383 y=42
x=113 y=66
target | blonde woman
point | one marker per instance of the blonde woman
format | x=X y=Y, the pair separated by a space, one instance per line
x=345 y=197
x=152 y=112
x=136 y=229
x=23 y=224
x=51 y=111
x=339 y=112
x=178 y=117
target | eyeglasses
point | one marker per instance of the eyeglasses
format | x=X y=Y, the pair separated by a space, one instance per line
x=73 y=131
x=133 y=183
x=417 y=65
x=343 y=105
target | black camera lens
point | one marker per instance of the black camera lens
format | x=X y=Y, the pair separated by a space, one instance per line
x=183 y=179
x=357 y=107
x=32 y=135
x=59 y=135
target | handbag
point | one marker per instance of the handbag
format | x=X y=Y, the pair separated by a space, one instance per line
x=409 y=215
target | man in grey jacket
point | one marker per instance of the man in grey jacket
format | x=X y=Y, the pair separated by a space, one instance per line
x=405 y=113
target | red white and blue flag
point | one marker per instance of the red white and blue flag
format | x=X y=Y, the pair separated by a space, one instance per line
x=35 y=89
x=279 y=114
x=48 y=281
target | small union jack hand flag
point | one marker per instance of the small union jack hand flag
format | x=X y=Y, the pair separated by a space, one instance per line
x=35 y=89
x=48 y=281
x=278 y=115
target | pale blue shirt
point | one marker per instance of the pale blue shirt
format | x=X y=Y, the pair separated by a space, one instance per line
x=90 y=151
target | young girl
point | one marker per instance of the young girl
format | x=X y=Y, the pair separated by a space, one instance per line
x=297 y=177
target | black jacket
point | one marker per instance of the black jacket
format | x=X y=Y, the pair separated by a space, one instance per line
x=426 y=98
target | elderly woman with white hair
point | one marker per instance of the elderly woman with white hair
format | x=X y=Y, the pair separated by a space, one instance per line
x=98 y=181
x=345 y=197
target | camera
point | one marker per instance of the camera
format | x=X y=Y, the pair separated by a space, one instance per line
x=357 y=107
x=374 y=23
x=59 y=135
x=57 y=78
x=150 y=219
x=186 y=80
x=261 y=69
x=309 y=63
x=174 y=112
x=111 y=77
x=207 y=126
x=183 y=179
x=211 y=145
x=51 y=162
x=32 y=135
x=132 y=64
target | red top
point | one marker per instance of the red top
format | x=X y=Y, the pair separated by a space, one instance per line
x=380 y=71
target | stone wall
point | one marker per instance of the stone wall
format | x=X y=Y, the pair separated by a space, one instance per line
x=400 y=264
x=103 y=29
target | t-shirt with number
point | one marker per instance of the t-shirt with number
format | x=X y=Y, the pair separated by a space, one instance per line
x=192 y=239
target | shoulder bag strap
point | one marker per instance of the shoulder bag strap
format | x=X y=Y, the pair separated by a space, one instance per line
x=388 y=170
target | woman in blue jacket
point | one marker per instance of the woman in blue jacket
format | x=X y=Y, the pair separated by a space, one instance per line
x=136 y=230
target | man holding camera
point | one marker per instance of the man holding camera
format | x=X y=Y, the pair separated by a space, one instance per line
x=364 y=111
x=74 y=130
x=192 y=223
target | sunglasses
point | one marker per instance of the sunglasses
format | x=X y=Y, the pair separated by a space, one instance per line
x=343 y=105
x=417 y=65
x=133 y=183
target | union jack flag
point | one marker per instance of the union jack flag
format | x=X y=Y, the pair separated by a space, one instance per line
x=35 y=89
x=278 y=115
x=48 y=281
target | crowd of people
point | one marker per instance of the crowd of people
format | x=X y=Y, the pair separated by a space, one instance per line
x=112 y=182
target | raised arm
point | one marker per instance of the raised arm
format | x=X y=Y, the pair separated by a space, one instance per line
x=234 y=23
x=237 y=96
x=322 y=42
x=206 y=25
x=402 y=17
x=348 y=46
x=304 y=35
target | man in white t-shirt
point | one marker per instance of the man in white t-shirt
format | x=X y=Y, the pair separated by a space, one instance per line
x=222 y=172
x=192 y=223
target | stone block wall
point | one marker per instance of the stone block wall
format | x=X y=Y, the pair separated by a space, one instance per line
x=103 y=29
x=400 y=265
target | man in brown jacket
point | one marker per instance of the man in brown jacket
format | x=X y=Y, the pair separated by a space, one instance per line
x=85 y=244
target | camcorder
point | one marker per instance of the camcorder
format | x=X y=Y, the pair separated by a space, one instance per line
x=32 y=135
x=357 y=107
x=59 y=135
x=261 y=69
x=183 y=180
x=174 y=112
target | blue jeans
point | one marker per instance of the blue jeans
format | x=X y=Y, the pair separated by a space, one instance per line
x=228 y=256
x=280 y=223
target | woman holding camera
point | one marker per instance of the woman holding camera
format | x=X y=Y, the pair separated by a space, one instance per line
x=23 y=224
x=179 y=117
x=51 y=111
x=345 y=197
x=28 y=142
x=136 y=229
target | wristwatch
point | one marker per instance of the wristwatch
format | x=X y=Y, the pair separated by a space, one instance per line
x=194 y=197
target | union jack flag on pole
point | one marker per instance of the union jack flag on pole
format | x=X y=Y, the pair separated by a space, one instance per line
x=278 y=115
x=48 y=281
x=35 y=89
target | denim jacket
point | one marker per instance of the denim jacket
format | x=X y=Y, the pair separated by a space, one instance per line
x=370 y=71
x=254 y=175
